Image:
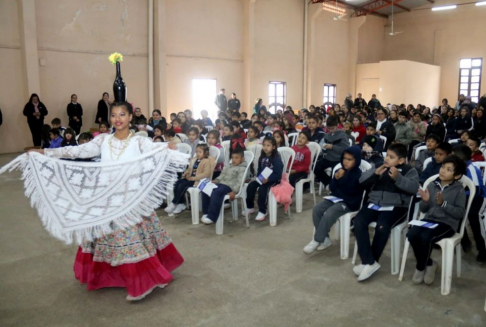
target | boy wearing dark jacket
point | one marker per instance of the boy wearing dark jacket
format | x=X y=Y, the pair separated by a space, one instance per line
x=443 y=203
x=326 y=213
x=228 y=182
x=441 y=152
x=391 y=185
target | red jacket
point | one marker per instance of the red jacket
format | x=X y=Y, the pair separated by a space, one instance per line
x=477 y=156
x=302 y=159
x=362 y=132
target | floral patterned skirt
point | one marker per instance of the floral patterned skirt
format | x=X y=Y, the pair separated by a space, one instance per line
x=138 y=258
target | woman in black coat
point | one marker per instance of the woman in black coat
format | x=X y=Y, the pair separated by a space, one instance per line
x=103 y=109
x=35 y=111
x=480 y=124
x=75 y=114
x=436 y=127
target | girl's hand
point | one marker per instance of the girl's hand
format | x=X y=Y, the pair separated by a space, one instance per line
x=424 y=195
x=41 y=151
x=264 y=181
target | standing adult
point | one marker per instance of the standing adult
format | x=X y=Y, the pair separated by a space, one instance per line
x=359 y=102
x=374 y=102
x=75 y=114
x=221 y=101
x=258 y=105
x=348 y=102
x=233 y=103
x=459 y=102
x=103 y=109
x=35 y=111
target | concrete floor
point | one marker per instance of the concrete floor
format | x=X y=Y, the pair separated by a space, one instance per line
x=247 y=277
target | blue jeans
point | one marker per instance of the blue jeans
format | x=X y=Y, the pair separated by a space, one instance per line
x=262 y=195
x=180 y=188
x=212 y=204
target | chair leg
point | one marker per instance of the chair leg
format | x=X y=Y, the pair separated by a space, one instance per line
x=337 y=230
x=299 y=190
x=220 y=222
x=195 y=194
x=320 y=188
x=234 y=209
x=404 y=259
x=396 y=238
x=345 y=228
x=170 y=198
x=313 y=191
x=458 y=259
x=355 y=252
x=272 y=209
x=447 y=262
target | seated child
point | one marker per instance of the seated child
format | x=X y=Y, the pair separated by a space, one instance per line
x=474 y=174
x=348 y=129
x=235 y=116
x=441 y=152
x=142 y=127
x=158 y=131
x=228 y=131
x=244 y=121
x=269 y=158
x=213 y=140
x=192 y=139
x=403 y=129
x=260 y=127
x=474 y=143
x=201 y=130
x=317 y=133
x=279 y=137
x=201 y=166
x=464 y=137
x=335 y=142
x=371 y=131
x=85 y=138
x=205 y=120
x=432 y=142
x=237 y=128
x=443 y=202
x=253 y=138
x=56 y=123
x=270 y=120
x=56 y=139
x=302 y=161
x=104 y=129
x=177 y=125
x=326 y=213
x=392 y=186
x=69 y=138
x=369 y=152
x=171 y=136
x=228 y=182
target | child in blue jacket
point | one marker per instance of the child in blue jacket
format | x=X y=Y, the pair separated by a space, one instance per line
x=269 y=158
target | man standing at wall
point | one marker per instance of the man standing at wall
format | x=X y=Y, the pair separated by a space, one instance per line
x=221 y=101
x=348 y=102
x=374 y=102
x=234 y=104
x=359 y=102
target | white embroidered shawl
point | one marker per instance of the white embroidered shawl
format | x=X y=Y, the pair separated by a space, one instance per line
x=87 y=200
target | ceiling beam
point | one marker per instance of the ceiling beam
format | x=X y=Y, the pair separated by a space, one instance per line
x=347 y=5
x=398 y=6
x=372 y=7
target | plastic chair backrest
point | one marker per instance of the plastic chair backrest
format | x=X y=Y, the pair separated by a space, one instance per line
x=226 y=147
x=454 y=141
x=257 y=151
x=293 y=138
x=350 y=142
x=204 y=138
x=208 y=127
x=287 y=155
x=426 y=162
x=245 y=130
x=249 y=156
x=420 y=149
x=184 y=148
x=383 y=138
x=482 y=166
x=182 y=136
x=315 y=150
x=214 y=152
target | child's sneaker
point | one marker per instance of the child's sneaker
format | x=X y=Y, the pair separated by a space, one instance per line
x=261 y=216
x=206 y=220
x=418 y=277
x=430 y=271
x=179 y=208
x=311 y=247
x=368 y=270
x=324 y=245
x=248 y=211
x=358 y=269
x=170 y=208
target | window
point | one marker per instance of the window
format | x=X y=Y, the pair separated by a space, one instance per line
x=203 y=95
x=329 y=93
x=470 y=77
x=277 y=96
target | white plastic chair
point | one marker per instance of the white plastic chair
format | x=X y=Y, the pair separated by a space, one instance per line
x=195 y=194
x=315 y=150
x=383 y=138
x=344 y=222
x=447 y=244
x=142 y=133
x=420 y=149
x=234 y=204
x=293 y=138
x=426 y=163
x=454 y=141
x=395 y=238
x=204 y=138
x=226 y=147
x=184 y=148
x=287 y=155
x=208 y=127
x=182 y=136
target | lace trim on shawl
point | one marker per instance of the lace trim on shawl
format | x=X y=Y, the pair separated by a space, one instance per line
x=85 y=201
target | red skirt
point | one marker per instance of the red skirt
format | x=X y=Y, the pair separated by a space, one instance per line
x=138 y=278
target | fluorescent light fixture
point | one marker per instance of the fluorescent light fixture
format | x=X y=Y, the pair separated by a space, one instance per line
x=444 y=8
x=482 y=3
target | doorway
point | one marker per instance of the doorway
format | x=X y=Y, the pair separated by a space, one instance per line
x=203 y=96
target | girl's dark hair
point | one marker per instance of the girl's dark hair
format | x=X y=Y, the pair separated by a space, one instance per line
x=170 y=133
x=159 y=127
x=73 y=136
x=85 y=136
x=45 y=131
x=205 y=148
x=173 y=115
x=282 y=136
x=462 y=151
x=193 y=129
x=274 y=153
x=105 y=93
x=158 y=138
x=215 y=133
x=460 y=167
x=105 y=123
x=73 y=95
x=55 y=131
x=128 y=106
x=230 y=127
x=254 y=129
x=177 y=120
x=235 y=124
x=198 y=123
x=157 y=111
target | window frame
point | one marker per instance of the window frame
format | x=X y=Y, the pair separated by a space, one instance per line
x=469 y=76
x=328 y=96
x=272 y=100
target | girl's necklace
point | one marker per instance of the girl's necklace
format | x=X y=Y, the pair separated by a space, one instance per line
x=126 y=142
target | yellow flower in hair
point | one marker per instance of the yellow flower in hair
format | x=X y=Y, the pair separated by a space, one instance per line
x=115 y=57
